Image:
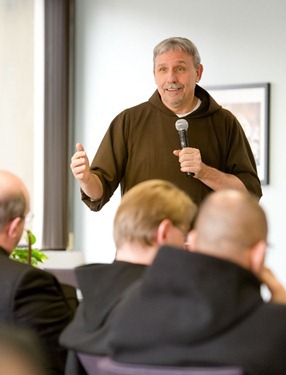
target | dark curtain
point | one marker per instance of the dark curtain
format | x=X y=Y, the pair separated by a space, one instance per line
x=58 y=43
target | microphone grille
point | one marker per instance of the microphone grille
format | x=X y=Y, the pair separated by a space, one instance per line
x=181 y=124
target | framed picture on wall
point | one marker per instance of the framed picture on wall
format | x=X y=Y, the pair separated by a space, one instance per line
x=250 y=105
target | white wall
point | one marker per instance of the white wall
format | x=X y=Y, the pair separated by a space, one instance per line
x=239 y=41
x=16 y=88
x=22 y=97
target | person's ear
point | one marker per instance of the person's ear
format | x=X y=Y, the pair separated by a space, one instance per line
x=191 y=240
x=162 y=231
x=200 y=70
x=13 y=228
x=257 y=256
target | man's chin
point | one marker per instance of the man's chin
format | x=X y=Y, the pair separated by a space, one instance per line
x=172 y=104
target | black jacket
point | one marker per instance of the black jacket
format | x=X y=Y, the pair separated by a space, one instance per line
x=34 y=299
x=194 y=309
x=102 y=287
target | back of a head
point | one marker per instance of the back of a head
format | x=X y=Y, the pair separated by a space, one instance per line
x=228 y=223
x=13 y=197
x=145 y=206
x=178 y=44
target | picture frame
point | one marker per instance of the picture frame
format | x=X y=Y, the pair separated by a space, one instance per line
x=250 y=103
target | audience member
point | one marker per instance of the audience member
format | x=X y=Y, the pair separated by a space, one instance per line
x=142 y=142
x=151 y=214
x=203 y=307
x=30 y=297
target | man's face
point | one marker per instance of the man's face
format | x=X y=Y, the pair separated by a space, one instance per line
x=176 y=78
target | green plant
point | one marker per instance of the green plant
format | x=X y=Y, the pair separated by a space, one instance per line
x=27 y=254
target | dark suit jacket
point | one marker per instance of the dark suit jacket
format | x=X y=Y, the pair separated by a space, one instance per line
x=34 y=299
x=102 y=287
x=192 y=309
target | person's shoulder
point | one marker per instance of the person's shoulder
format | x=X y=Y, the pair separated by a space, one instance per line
x=273 y=315
x=269 y=320
x=136 y=108
x=275 y=308
x=25 y=273
x=223 y=118
x=94 y=267
x=131 y=113
x=86 y=274
x=211 y=107
x=9 y=266
x=154 y=100
x=20 y=275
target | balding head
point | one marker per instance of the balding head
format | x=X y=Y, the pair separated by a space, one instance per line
x=230 y=223
x=11 y=183
x=14 y=204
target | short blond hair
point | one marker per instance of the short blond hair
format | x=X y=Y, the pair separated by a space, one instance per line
x=145 y=206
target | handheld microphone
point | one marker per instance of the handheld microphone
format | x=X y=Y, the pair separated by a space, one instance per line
x=182 y=127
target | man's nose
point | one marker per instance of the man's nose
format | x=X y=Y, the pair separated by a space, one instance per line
x=171 y=77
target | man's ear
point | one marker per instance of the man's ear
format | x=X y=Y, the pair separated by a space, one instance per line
x=162 y=231
x=13 y=228
x=191 y=240
x=257 y=256
x=200 y=70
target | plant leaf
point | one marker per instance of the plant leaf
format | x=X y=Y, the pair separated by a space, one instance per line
x=21 y=254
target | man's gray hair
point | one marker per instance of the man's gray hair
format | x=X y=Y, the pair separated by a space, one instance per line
x=178 y=44
x=11 y=206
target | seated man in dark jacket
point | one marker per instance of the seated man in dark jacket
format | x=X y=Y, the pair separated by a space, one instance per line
x=151 y=214
x=203 y=307
x=30 y=297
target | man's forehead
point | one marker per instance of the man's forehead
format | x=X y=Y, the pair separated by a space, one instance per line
x=174 y=57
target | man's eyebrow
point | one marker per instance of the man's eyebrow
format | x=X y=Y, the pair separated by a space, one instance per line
x=177 y=63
